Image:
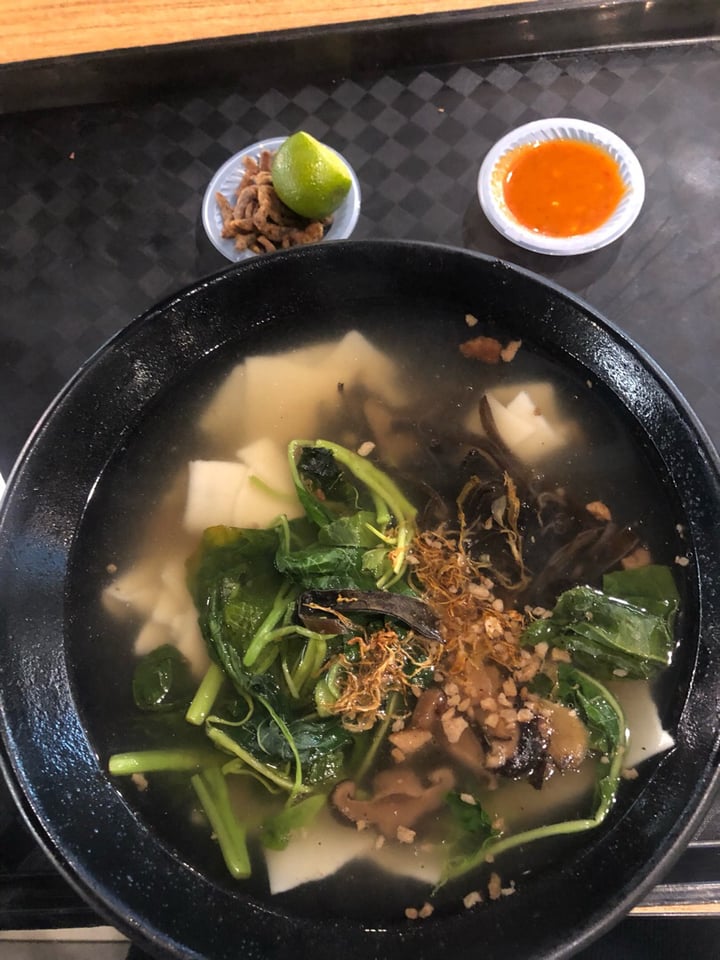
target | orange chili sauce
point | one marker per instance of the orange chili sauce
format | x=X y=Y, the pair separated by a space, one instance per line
x=562 y=187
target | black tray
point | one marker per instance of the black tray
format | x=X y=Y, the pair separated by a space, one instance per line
x=100 y=210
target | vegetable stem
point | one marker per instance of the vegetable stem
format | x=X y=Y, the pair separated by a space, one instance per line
x=227 y=743
x=152 y=761
x=262 y=639
x=377 y=738
x=308 y=664
x=259 y=484
x=266 y=632
x=206 y=695
x=212 y=791
x=297 y=786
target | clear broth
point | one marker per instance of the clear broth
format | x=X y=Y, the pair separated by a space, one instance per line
x=611 y=464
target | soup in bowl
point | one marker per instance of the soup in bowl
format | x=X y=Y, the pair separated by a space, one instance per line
x=375 y=613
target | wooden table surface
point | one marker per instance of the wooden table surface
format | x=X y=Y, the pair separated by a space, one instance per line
x=36 y=29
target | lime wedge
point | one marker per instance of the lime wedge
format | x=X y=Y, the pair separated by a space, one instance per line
x=309 y=177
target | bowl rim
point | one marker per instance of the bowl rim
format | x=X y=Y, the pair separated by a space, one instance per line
x=22 y=702
x=555 y=128
x=226 y=178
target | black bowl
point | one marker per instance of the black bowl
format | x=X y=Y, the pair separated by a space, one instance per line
x=56 y=673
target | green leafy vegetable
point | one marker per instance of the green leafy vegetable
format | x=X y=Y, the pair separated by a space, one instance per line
x=326 y=567
x=324 y=491
x=596 y=708
x=612 y=635
x=319 y=473
x=235 y=586
x=471 y=819
x=325 y=768
x=292 y=615
x=650 y=588
x=162 y=680
x=312 y=738
x=238 y=738
x=275 y=747
x=353 y=531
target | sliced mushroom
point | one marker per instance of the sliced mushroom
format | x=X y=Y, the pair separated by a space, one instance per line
x=427 y=716
x=392 y=811
x=468 y=750
x=430 y=705
x=567 y=736
x=410 y=740
x=397 y=780
x=481 y=680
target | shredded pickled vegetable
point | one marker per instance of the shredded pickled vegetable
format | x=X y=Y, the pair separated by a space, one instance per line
x=386 y=663
x=474 y=624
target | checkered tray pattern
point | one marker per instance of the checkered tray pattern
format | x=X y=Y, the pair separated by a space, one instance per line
x=100 y=218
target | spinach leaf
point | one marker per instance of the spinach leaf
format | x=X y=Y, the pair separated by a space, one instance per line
x=271 y=744
x=594 y=706
x=238 y=739
x=325 y=768
x=352 y=531
x=651 y=588
x=606 y=635
x=235 y=586
x=320 y=471
x=312 y=738
x=162 y=680
x=604 y=719
x=324 y=491
x=228 y=553
x=228 y=644
x=325 y=567
x=471 y=819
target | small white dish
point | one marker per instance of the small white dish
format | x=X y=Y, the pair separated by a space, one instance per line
x=492 y=199
x=229 y=176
